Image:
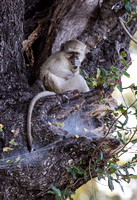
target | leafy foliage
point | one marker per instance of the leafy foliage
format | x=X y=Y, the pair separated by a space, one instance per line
x=130 y=7
x=61 y=195
x=77 y=170
x=104 y=79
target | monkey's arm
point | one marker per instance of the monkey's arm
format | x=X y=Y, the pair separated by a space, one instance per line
x=76 y=83
x=66 y=74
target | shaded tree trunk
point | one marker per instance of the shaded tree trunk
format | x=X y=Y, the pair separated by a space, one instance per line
x=14 y=89
x=47 y=24
x=11 y=27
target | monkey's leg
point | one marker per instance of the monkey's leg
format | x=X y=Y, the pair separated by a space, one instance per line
x=76 y=83
x=54 y=83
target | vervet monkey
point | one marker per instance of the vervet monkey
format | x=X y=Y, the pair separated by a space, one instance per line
x=60 y=73
x=63 y=66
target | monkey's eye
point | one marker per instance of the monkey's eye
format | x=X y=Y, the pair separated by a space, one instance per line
x=74 y=54
x=71 y=53
x=77 y=53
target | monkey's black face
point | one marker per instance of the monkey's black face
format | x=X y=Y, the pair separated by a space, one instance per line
x=74 y=58
x=73 y=54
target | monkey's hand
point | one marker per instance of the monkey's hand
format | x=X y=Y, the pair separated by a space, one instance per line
x=69 y=76
x=75 y=60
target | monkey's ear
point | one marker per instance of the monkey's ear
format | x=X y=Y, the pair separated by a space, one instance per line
x=87 y=49
x=62 y=46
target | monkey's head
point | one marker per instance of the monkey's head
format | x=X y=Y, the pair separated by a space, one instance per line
x=75 y=62
x=75 y=50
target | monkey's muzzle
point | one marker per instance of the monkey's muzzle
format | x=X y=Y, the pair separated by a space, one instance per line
x=77 y=63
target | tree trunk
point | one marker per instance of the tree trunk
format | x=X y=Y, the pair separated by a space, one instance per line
x=47 y=24
x=11 y=27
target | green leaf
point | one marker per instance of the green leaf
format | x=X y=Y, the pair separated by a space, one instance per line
x=135 y=157
x=124 y=62
x=122 y=141
x=134 y=141
x=98 y=73
x=58 y=124
x=101 y=155
x=57 y=197
x=126 y=170
x=104 y=72
x=124 y=150
x=100 y=176
x=105 y=84
x=128 y=7
x=126 y=120
x=126 y=74
x=92 y=166
x=123 y=54
x=110 y=184
x=1 y=127
x=119 y=87
x=94 y=83
x=120 y=185
x=116 y=76
x=119 y=134
x=68 y=193
x=71 y=170
x=126 y=133
x=7 y=149
x=12 y=142
x=133 y=176
x=113 y=69
x=56 y=191
x=98 y=159
x=50 y=192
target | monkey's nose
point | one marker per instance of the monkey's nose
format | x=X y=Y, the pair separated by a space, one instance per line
x=75 y=67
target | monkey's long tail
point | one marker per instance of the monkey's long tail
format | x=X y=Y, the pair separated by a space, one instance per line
x=31 y=107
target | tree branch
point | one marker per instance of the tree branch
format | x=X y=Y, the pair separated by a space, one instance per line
x=126 y=30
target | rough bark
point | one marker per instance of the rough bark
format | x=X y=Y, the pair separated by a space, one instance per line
x=11 y=31
x=46 y=26
x=14 y=90
x=56 y=148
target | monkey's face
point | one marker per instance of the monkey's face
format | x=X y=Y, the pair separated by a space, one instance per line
x=76 y=49
x=74 y=59
x=76 y=55
x=75 y=62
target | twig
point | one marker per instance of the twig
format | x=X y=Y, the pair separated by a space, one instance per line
x=127 y=142
x=94 y=198
x=114 y=122
x=126 y=30
x=119 y=117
